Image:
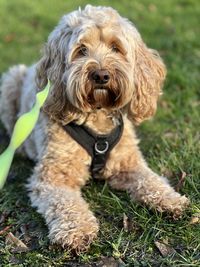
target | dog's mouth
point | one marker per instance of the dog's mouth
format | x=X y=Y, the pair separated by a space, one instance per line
x=101 y=88
x=101 y=97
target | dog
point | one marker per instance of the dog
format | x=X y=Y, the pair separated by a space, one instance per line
x=104 y=81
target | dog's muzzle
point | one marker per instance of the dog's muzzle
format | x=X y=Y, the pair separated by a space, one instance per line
x=99 y=77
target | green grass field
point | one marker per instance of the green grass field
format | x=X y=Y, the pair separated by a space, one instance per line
x=170 y=143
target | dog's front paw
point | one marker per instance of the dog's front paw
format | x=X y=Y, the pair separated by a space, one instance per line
x=74 y=231
x=174 y=204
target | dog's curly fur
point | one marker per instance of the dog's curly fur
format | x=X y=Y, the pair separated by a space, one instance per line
x=95 y=38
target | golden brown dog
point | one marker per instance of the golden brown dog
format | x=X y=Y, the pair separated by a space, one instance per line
x=100 y=71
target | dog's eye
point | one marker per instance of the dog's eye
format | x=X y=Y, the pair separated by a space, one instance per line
x=115 y=48
x=83 y=51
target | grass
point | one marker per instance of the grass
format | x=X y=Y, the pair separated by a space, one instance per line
x=170 y=142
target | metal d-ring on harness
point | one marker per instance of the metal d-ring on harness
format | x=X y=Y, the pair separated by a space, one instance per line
x=98 y=146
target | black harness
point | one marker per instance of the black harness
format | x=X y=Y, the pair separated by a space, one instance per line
x=98 y=146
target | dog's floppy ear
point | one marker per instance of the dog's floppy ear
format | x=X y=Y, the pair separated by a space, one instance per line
x=52 y=67
x=149 y=74
x=52 y=64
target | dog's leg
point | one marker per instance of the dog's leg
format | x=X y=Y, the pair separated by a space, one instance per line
x=127 y=170
x=146 y=186
x=55 y=191
x=70 y=222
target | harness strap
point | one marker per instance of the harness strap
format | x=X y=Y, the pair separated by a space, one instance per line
x=98 y=146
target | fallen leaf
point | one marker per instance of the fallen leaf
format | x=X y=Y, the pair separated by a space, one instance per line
x=125 y=222
x=129 y=224
x=152 y=8
x=195 y=219
x=9 y=38
x=5 y=229
x=17 y=244
x=181 y=181
x=165 y=249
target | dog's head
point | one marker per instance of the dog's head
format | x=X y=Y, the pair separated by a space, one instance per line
x=96 y=59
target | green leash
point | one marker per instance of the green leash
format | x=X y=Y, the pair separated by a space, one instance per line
x=22 y=129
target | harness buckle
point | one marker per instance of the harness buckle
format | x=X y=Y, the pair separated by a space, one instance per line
x=98 y=147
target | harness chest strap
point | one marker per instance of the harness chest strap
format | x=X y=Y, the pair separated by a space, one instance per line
x=98 y=146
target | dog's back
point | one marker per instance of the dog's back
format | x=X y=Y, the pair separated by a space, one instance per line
x=18 y=90
x=10 y=89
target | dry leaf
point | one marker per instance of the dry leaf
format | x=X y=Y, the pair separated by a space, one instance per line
x=152 y=8
x=9 y=38
x=164 y=249
x=18 y=245
x=195 y=219
x=181 y=181
x=129 y=225
x=125 y=223
x=5 y=229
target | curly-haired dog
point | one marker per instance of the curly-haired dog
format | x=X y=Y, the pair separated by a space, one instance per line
x=103 y=77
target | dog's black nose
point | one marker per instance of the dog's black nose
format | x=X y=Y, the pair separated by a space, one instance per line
x=100 y=76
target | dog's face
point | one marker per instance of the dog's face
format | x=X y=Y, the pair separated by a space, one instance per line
x=96 y=59
x=99 y=69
